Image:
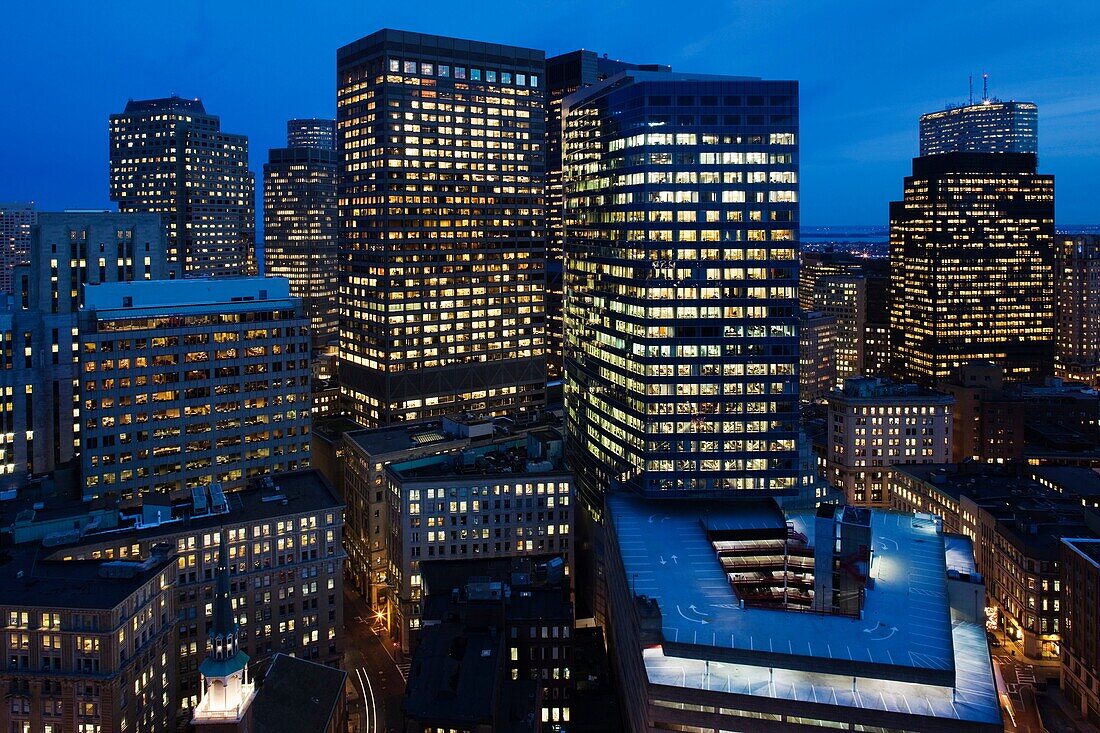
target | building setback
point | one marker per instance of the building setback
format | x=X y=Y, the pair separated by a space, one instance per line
x=170 y=157
x=16 y=220
x=300 y=219
x=442 y=226
x=972 y=260
x=192 y=382
x=39 y=404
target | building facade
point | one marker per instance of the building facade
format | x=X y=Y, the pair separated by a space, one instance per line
x=16 y=220
x=508 y=498
x=817 y=355
x=1080 y=642
x=1077 y=280
x=972 y=262
x=991 y=126
x=191 y=382
x=168 y=156
x=442 y=226
x=312 y=132
x=300 y=223
x=680 y=280
x=844 y=297
x=39 y=401
x=874 y=424
x=566 y=74
x=88 y=645
x=284 y=535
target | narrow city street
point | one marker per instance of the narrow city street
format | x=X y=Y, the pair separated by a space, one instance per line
x=378 y=680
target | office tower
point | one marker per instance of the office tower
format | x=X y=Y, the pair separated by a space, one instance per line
x=991 y=126
x=40 y=408
x=681 y=271
x=874 y=424
x=16 y=220
x=971 y=263
x=300 y=221
x=1080 y=648
x=844 y=297
x=191 y=382
x=442 y=226
x=815 y=265
x=566 y=74
x=88 y=644
x=1077 y=283
x=876 y=329
x=168 y=156
x=311 y=133
x=817 y=355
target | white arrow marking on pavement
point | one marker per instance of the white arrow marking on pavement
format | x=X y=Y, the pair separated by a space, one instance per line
x=689 y=618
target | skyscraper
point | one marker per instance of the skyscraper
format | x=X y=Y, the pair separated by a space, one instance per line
x=971 y=267
x=681 y=273
x=991 y=126
x=1077 y=280
x=16 y=220
x=311 y=133
x=300 y=223
x=844 y=297
x=566 y=74
x=40 y=423
x=442 y=226
x=170 y=157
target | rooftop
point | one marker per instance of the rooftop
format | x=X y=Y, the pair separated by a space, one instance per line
x=28 y=580
x=297 y=695
x=453 y=673
x=174 y=103
x=1087 y=546
x=400 y=438
x=903 y=654
x=139 y=294
x=511 y=456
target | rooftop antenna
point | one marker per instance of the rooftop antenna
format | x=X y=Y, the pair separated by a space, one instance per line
x=971 y=77
x=985 y=87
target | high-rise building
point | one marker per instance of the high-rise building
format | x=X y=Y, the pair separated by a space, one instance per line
x=311 y=133
x=681 y=271
x=972 y=261
x=16 y=220
x=168 y=156
x=990 y=126
x=874 y=424
x=40 y=424
x=844 y=297
x=566 y=74
x=300 y=223
x=1077 y=280
x=191 y=382
x=817 y=355
x=442 y=226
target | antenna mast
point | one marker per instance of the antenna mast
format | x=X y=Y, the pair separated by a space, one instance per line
x=971 y=77
x=985 y=87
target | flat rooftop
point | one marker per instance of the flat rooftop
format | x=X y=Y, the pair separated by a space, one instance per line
x=904 y=655
x=502 y=457
x=28 y=580
x=1087 y=546
x=399 y=438
x=905 y=631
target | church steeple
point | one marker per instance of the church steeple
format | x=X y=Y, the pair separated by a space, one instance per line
x=227 y=689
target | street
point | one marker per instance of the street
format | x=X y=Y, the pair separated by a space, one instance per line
x=379 y=684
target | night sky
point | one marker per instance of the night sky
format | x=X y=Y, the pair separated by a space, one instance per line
x=867 y=71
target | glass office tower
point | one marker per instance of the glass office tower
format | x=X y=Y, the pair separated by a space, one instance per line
x=442 y=226
x=681 y=277
x=990 y=126
x=971 y=267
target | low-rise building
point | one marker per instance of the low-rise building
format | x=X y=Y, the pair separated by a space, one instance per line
x=732 y=616
x=874 y=424
x=1081 y=636
x=88 y=646
x=193 y=382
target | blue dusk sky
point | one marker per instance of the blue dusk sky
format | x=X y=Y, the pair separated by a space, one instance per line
x=867 y=71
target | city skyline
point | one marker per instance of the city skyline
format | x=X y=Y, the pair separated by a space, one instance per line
x=859 y=120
